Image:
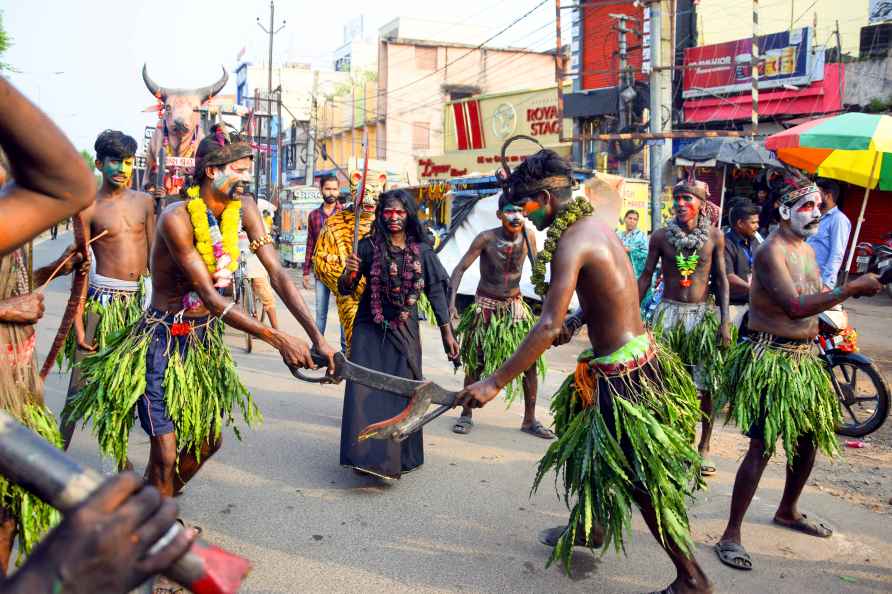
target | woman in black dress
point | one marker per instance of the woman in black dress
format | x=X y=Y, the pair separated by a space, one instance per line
x=399 y=265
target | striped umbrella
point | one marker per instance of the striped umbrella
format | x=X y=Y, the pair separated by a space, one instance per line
x=852 y=147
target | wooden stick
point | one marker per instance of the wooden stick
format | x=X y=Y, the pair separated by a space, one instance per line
x=65 y=261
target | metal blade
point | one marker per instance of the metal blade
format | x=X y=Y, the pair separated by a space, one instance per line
x=376 y=379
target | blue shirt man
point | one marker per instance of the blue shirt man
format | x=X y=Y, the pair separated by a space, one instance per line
x=833 y=234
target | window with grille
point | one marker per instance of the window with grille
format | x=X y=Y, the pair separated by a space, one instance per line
x=425 y=58
x=421 y=135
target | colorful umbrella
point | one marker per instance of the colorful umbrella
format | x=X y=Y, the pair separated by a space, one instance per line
x=852 y=147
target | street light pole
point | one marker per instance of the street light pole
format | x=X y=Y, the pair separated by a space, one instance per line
x=269 y=95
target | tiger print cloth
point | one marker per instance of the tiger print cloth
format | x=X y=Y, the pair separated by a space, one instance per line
x=335 y=243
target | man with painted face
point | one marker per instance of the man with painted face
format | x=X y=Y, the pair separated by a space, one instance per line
x=494 y=326
x=399 y=265
x=172 y=364
x=113 y=298
x=330 y=189
x=625 y=394
x=692 y=251
x=775 y=384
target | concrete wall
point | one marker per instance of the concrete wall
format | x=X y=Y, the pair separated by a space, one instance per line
x=868 y=80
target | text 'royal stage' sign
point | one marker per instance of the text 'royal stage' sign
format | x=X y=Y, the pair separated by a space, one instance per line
x=785 y=59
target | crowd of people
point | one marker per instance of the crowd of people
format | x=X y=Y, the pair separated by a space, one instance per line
x=148 y=336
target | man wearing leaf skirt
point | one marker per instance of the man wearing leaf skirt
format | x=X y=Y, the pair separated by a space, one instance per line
x=625 y=419
x=397 y=265
x=113 y=299
x=495 y=324
x=172 y=364
x=775 y=384
x=691 y=250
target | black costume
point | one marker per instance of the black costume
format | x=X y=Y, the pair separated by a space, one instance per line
x=393 y=348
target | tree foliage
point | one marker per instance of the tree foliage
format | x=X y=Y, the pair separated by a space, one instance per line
x=5 y=43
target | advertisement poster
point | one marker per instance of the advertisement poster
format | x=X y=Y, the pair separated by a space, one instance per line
x=880 y=11
x=785 y=59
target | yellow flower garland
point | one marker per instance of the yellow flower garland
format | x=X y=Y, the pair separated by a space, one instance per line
x=229 y=227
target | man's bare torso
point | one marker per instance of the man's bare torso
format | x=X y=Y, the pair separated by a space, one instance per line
x=501 y=264
x=123 y=252
x=169 y=282
x=765 y=314
x=698 y=291
x=606 y=287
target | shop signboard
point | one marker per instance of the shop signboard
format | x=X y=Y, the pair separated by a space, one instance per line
x=785 y=59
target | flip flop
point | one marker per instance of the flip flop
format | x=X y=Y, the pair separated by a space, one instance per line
x=539 y=430
x=707 y=468
x=463 y=425
x=549 y=537
x=806 y=526
x=734 y=555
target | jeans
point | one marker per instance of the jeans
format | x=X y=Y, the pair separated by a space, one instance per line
x=323 y=296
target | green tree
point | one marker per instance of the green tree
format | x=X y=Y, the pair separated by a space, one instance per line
x=5 y=43
x=91 y=165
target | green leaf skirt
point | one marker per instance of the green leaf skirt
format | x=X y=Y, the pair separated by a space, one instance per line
x=116 y=310
x=690 y=330
x=623 y=430
x=490 y=331
x=33 y=517
x=201 y=385
x=780 y=389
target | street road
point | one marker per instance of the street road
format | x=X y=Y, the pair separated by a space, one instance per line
x=465 y=522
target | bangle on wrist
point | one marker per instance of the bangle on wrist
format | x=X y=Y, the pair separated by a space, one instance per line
x=837 y=292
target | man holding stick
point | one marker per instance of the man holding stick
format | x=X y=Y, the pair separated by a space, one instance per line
x=123 y=223
x=102 y=546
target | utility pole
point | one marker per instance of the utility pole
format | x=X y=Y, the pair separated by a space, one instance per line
x=656 y=115
x=269 y=96
x=754 y=59
x=625 y=79
x=311 y=133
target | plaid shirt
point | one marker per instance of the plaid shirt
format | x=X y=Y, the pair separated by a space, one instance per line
x=315 y=221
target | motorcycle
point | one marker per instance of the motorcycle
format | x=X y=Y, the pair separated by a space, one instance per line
x=862 y=392
x=875 y=258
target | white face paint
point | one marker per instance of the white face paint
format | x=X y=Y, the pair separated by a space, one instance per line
x=804 y=215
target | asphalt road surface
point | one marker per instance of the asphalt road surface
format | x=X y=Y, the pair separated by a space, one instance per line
x=464 y=522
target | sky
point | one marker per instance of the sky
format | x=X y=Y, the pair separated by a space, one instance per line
x=81 y=61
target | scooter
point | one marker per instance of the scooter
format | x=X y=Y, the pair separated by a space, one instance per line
x=862 y=392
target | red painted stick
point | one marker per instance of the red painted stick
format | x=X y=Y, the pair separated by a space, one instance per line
x=56 y=478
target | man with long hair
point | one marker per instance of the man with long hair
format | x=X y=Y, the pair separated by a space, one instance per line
x=398 y=265
x=626 y=395
x=172 y=364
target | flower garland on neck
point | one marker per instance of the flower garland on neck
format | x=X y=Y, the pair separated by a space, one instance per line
x=577 y=209
x=401 y=285
x=217 y=243
x=681 y=240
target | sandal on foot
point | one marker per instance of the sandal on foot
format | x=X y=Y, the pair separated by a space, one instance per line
x=734 y=555
x=550 y=537
x=463 y=425
x=539 y=430
x=707 y=468
x=806 y=526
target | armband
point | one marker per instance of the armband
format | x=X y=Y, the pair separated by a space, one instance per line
x=260 y=242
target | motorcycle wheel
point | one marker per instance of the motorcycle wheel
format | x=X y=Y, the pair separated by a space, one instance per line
x=862 y=394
